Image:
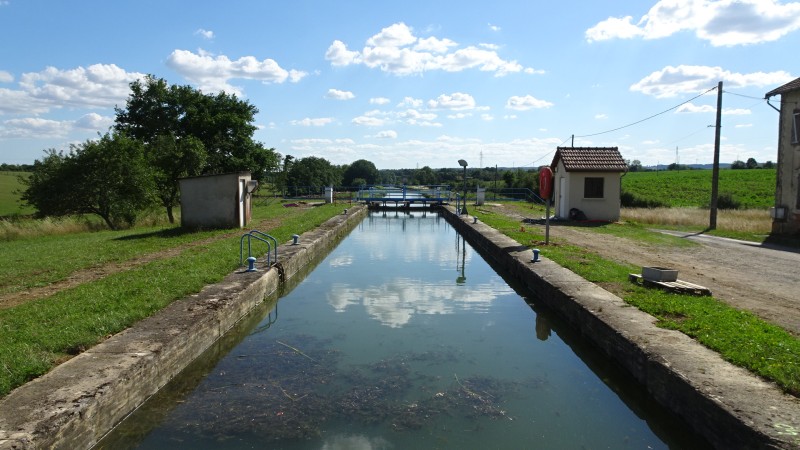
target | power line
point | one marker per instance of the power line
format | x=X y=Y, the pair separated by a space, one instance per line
x=649 y=117
x=742 y=95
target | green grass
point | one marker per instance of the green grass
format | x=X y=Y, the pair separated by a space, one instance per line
x=738 y=336
x=37 y=335
x=9 y=200
x=754 y=188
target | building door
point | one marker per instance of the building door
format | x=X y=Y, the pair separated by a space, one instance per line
x=562 y=198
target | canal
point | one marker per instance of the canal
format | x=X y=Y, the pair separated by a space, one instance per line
x=402 y=337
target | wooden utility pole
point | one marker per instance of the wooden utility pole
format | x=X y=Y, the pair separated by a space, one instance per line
x=712 y=222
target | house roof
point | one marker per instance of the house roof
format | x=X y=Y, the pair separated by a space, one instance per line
x=788 y=87
x=590 y=159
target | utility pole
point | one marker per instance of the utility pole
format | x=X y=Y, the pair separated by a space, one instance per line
x=712 y=222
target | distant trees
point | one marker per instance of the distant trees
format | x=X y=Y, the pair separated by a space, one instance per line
x=313 y=171
x=736 y=165
x=751 y=163
x=361 y=169
x=108 y=177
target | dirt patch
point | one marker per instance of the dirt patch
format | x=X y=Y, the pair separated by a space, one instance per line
x=98 y=272
x=748 y=276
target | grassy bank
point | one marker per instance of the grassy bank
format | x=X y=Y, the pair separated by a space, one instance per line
x=37 y=335
x=738 y=336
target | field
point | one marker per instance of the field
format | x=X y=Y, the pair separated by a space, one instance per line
x=750 y=189
x=9 y=201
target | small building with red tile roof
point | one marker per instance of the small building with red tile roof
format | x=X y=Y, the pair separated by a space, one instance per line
x=588 y=179
x=786 y=212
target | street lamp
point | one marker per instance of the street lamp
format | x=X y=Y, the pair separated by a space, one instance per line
x=463 y=164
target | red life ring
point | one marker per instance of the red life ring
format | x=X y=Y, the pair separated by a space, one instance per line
x=545 y=182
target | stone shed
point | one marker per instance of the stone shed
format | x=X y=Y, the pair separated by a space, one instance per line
x=588 y=179
x=216 y=201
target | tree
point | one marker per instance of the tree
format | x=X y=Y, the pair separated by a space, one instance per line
x=313 y=171
x=107 y=177
x=171 y=158
x=426 y=176
x=769 y=165
x=751 y=163
x=634 y=166
x=363 y=169
x=221 y=122
x=738 y=165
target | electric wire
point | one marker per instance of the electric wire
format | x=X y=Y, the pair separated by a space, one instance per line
x=649 y=117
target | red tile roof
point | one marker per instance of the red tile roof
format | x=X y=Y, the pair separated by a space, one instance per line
x=590 y=159
x=788 y=87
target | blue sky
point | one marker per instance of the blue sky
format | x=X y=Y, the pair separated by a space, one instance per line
x=413 y=83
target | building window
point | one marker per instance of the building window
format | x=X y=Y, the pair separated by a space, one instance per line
x=796 y=127
x=593 y=187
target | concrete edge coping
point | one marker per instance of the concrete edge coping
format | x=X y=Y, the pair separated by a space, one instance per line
x=79 y=401
x=726 y=404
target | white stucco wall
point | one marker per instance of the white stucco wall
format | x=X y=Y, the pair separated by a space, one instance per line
x=606 y=208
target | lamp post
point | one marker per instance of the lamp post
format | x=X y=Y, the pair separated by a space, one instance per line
x=463 y=164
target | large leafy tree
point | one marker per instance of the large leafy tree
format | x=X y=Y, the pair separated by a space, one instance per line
x=221 y=122
x=107 y=177
x=361 y=169
x=314 y=172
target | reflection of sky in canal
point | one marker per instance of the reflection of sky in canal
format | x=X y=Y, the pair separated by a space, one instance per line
x=396 y=302
x=385 y=290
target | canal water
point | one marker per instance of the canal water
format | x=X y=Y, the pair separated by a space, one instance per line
x=402 y=337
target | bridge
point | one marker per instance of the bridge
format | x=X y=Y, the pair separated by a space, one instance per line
x=405 y=196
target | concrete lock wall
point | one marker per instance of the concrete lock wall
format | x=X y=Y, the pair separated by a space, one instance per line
x=78 y=402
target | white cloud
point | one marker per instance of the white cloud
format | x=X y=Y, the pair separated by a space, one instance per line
x=94 y=122
x=34 y=127
x=396 y=50
x=601 y=116
x=379 y=101
x=494 y=27
x=309 y=122
x=692 y=108
x=96 y=86
x=213 y=73
x=205 y=34
x=368 y=121
x=525 y=103
x=744 y=125
x=386 y=134
x=336 y=94
x=487 y=117
x=410 y=102
x=673 y=81
x=6 y=77
x=456 y=101
x=722 y=23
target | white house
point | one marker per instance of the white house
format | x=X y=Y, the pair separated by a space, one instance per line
x=786 y=213
x=588 y=179
x=216 y=201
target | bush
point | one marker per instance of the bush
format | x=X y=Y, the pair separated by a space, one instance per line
x=726 y=201
x=630 y=200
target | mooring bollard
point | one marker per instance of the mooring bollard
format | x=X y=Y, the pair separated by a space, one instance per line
x=295 y=237
x=345 y=212
x=535 y=255
x=474 y=219
x=251 y=264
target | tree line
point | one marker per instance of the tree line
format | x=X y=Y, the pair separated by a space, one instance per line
x=167 y=132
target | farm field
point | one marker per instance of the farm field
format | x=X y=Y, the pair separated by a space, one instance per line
x=750 y=189
x=9 y=204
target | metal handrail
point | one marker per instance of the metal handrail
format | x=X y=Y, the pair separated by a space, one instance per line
x=270 y=237
x=249 y=236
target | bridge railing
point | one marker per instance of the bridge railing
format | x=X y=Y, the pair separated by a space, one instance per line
x=405 y=192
